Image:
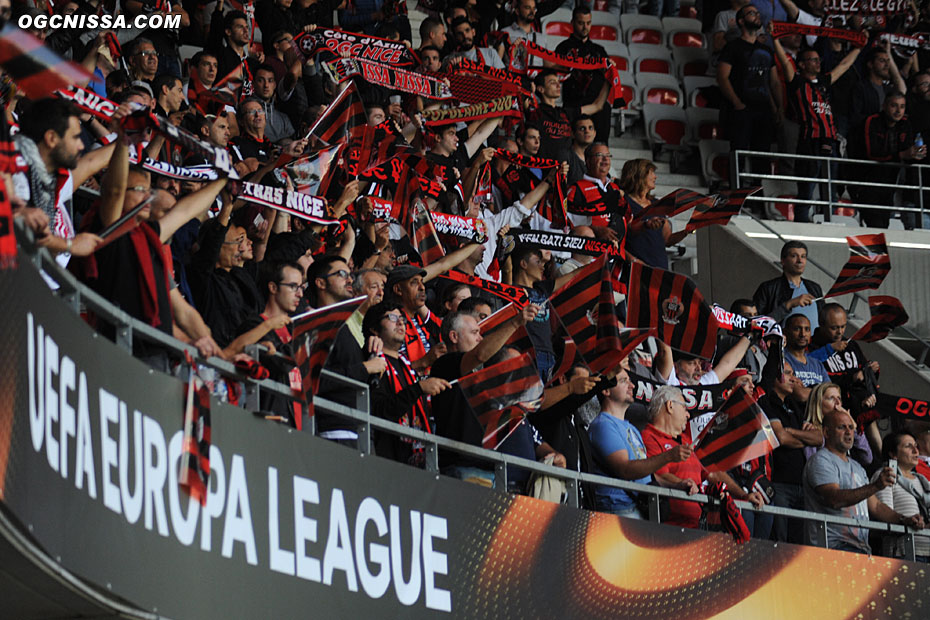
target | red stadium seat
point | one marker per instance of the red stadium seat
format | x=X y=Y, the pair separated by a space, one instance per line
x=695 y=67
x=709 y=131
x=622 y=62
x=671 y=131
x=653 y=65
x=686 y=39
x=628 y=94
x=688 y=11
x=663 y=96
x=558 y=29
x=786 y=208
x=699 y=100
x=602 y=33
x=721 y=165
x=645 y=35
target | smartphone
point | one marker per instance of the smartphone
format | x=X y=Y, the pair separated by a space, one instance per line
x=893 y=464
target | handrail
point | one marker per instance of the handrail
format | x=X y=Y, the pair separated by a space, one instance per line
x=829 y=181
x=75 y=292
x=919 y=362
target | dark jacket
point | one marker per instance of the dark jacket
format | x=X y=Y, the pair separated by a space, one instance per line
x=771 y=296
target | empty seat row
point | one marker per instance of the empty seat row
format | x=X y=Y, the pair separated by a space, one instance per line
x=662 y=89
x=671 y=32
x=640 y=58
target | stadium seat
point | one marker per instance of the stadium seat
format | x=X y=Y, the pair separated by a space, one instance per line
x=715 y=161
x=689 y=12
x=630 y=90
x=558 y=29
x=665 y=126
x=604 y=33
x=650 y=59
x=619 y=53
x=660 y=89
x=682 y=32
x=703 y=124
x=603 y=18
x=785 y=208
x=693 y=86
x=690 y=61
x=643 y=29
x=559 y=15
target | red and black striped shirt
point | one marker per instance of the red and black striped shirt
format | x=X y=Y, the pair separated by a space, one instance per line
x=811 y=102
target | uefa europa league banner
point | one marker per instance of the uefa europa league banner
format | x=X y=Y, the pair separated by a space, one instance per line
x=295 y=526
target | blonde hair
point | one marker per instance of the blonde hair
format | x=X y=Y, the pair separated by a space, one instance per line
x=633 y=175
x=815 y=402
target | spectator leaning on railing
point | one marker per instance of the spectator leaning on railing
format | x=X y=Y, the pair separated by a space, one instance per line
x=836 y=485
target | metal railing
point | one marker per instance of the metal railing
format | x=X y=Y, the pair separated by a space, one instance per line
x=76 y=296
x=828 y=180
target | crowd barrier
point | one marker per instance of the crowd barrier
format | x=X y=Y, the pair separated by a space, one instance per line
x=90 y=440
x=743 y=175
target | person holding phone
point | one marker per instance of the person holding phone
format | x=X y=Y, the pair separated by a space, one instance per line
x=910 y=494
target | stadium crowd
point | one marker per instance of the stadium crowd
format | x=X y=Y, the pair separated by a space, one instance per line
x=224 y=263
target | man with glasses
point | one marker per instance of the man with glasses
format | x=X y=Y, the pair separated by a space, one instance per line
x=810 y=94
x=143 y=60
x=251 y=145
x=401 y=395
x=668 y=425
x=597 y=201
x=284 y=289
x=329 y=281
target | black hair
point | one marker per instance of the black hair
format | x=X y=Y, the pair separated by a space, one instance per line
x=739 y=303
x=319 y=269
x=579 y=118
x=792 y=317
x=165 y=79
x=199 y=56
x=521 y=252
x=458 y=21
x=372 y=320
x=232 y=16
x=45 y=114
x=580 y=10
x=540 y=79
x=428 y=25
x=891 y=442
x=792 y=245
x=470 y=304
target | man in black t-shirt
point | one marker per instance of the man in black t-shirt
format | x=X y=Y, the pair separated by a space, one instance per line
x=582 y=87
x=748 y=85
x=528 y=272
x=554 y=122
x=793 y=434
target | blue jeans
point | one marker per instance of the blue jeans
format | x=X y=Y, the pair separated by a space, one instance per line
x=628 y=513
x=545 y=362
x=663 y=8
x=759 y=524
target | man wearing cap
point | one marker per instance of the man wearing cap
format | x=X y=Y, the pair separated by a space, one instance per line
x=421 y=342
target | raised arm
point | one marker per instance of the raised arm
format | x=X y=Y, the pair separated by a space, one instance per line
x=448 y=261
x=783 y=59
x=844 y=65
x=188 y=208
x=731 y=358
x=493 y=342
x=113 y=186
x=791 y=9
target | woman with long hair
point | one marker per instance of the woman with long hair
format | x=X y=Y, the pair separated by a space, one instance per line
x=826 y=398
x=909 y=496
x=647 y=238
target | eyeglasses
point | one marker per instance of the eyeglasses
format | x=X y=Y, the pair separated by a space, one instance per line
x=147 y=53
x=294 y=286
x=139 y=188
x=234 y=241
x=342 y=273
x=680 y=402
x=601 y=155
x=394 y=318
x=254 y=113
